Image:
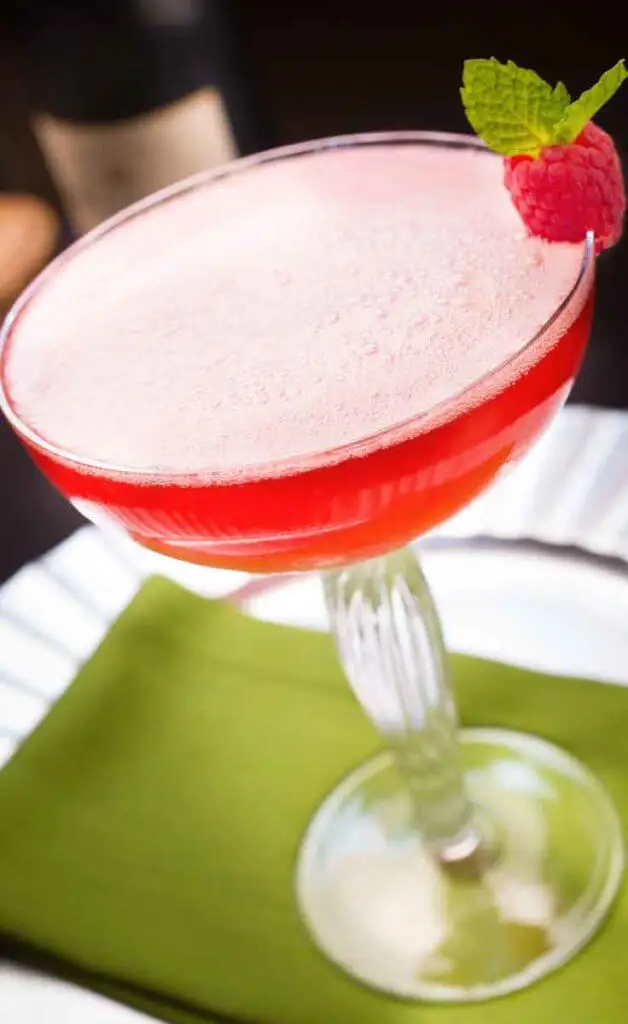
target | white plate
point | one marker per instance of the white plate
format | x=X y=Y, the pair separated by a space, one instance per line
x=535 y=606
x=548 y=608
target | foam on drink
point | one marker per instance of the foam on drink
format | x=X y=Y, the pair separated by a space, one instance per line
x=284 y=311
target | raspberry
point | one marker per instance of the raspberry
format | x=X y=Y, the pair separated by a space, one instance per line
x=570 y=189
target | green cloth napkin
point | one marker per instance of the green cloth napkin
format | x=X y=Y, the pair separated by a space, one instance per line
x=149 y=827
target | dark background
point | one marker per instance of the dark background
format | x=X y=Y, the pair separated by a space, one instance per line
x=297 y=69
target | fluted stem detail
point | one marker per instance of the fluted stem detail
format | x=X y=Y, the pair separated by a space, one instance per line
x=391 y=646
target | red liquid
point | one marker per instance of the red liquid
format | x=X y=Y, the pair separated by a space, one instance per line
x=356 y=508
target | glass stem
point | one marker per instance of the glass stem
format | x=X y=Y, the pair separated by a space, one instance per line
x=388 y=635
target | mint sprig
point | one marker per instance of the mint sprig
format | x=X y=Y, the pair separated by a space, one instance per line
x=586 y=106
x=516 y=112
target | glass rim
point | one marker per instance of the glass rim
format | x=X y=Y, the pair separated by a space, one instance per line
x=387 y=436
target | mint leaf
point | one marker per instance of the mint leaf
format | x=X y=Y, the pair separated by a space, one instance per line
x=511 y=108
x=580 y=112
x=561 y=95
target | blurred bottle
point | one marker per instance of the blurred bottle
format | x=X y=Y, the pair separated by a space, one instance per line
x=131 y=95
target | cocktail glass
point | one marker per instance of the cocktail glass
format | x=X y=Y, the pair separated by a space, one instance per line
x=457 y=865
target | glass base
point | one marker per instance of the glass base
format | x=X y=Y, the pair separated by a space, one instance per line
x=380 y=906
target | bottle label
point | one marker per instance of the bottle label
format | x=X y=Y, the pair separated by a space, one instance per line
x=101 y=168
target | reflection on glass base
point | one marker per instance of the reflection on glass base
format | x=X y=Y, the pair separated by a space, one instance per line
x=382 y=908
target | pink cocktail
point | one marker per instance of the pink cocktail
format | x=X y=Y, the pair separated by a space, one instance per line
x=366 y=393
x=305 y=361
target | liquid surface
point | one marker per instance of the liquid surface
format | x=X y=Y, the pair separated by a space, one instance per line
x=285 y=311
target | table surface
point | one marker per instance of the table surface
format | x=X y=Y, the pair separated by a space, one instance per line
x=571 y=490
